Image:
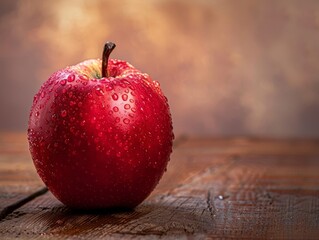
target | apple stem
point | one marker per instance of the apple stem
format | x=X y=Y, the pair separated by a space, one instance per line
x=108 y=48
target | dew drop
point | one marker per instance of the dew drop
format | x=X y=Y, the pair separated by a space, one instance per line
x=108 y=87
x=37 y=114
x=126 y=120
x=127 y=106
x=132 y=87
x=71 y=78
x=84 y=77
x=63 y=113
x=43 y=94
x=156 y=83
x=115 y=96
x=99 y=91
x=115 y=109
x=63 y=82
x=117 y=119
x=82 y=123
x=124 y=97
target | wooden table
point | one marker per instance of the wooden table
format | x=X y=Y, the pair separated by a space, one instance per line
x=223 y=188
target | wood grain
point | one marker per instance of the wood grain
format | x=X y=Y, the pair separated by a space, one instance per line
x=214 y=188
x=18 y=178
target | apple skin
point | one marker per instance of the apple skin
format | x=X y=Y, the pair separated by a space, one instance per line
x=100 y=142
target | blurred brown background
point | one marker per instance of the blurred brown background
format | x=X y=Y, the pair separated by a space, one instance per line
x=228 y=67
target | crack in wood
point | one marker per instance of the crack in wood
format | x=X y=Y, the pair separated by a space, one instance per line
x=210 y=205
x=11 y=208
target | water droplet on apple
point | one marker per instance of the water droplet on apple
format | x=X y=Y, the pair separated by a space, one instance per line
x=117 y=119
x=124 y=97
x=99 y=91
x=126 y=120
x=63 y=113
x=71 y=78
x=80 y=104
x=156 y=84
x=108 y=87
x=110 y=129
x=43 y=94
x=37 y=114
x=133 y=110
x=115 y=96
x=127 y=106
x=84 y=77
x=63 y=82
x=115 y=109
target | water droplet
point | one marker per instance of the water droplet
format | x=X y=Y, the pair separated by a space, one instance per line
x=117 y=119
x=82 y=123
x=115 y=96
x=43 y=94
x=99 y=91
x=156 y=83
x=124 y=97
x=118 y=154
x=126 y=120
x=90 y=95
x=37 y=114
x=84 y=77
x=80 y=104
x=108 y=87
x=133 y=110
x=115 y=109
x=63 y=113
x=220 y=197
x=71 y=78
x=110 y=129
x=93 y=120
x=66 y=141
x=127 y=106
x=63 y=82
x=131 y=100
x=100 y=134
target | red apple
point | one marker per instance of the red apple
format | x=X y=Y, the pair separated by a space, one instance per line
x=100 y=134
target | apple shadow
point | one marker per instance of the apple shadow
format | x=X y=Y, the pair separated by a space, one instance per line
x=149 y=218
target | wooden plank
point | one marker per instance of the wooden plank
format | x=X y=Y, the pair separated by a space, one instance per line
x=18 y=178
x=222 y=191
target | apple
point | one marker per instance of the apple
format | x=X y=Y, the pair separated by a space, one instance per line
x=100 y=134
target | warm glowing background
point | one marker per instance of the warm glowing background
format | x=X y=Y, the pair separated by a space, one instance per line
x=228 y=67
